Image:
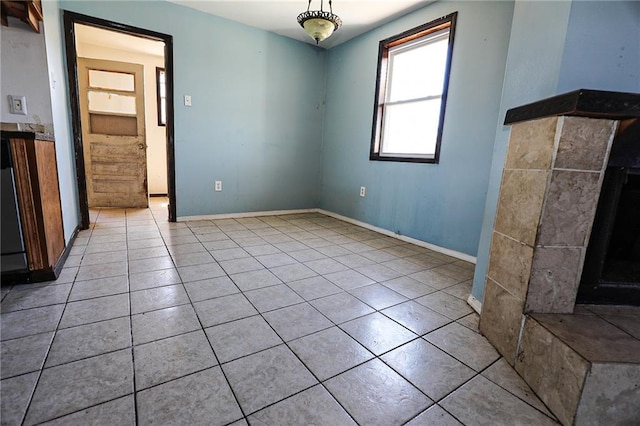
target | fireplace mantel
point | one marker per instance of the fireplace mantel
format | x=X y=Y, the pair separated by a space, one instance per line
x=580 y=103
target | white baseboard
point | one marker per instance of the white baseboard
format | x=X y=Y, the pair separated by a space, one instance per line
x=241 y=215
x=443 y=250
x=474 y=303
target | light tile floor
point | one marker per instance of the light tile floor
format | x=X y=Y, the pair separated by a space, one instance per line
x=294 y=319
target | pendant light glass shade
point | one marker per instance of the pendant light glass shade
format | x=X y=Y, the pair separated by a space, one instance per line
x=318 y=23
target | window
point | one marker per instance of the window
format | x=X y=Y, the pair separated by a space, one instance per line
x=411 y=93
x=161 y=92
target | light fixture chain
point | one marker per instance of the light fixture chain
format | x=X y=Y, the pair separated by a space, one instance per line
x=309 y=5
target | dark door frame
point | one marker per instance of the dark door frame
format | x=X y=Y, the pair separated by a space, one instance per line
x=72 y=18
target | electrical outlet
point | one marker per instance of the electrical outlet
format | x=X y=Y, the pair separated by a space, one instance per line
x=363 y=191
x=18 y=104
x=218 y=186
x=187 y=100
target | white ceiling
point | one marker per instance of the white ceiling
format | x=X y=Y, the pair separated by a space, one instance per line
x=358 y=16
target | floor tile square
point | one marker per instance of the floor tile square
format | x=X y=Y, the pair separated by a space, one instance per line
x=186 y=249
x=377 y=333
x=274 y=297
x=202 y=398
x=105 y=247
x=471 y=321
x=26 y=297
x=314 y=406
x=189 y=259
x=307 y=255
x=144 y=240
x=378 y=255
x=163 y=323
x=30 y=321
x=211 y=288
x=262 y=250
x=117 y=412
x=151 y=279
x=229 y=254
x=434 y=279
x=84 y=341
x=106 y=257
x=100 y=287
x=276 y=259
x=408 y=287
x=158 y=298
x=404 y=266
x=379 y=272
x=354 y=260
x=242 y=337
x=92 y=272
x=220 y=244
x=378 y=296
x=465 y=345
x=445 y=304
x=288 y=273
x=429 y=369
x=416 y=317
x=16 y=394
x=170 y=358
x=296 y=321
x=94 y=310
x=329 y=352
x=223 y=309
x=255 y=279
x=147 y=253
x=71 y=387
x=326 y=266
x=461 y=291
x=503 y=375
x=374 y=394
x=23 y=355
x=348 y=280
x=150 y=264
x=200 y=272
x=276 y=369
x=237 y=266
x=480 y=401
x=314 y=287
x=332 y=250
x=341 y=307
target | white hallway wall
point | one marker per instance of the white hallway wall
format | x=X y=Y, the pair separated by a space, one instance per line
x=156 y=135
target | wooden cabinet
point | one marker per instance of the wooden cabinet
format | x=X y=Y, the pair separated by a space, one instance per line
x=38 y=197
x=29 y=11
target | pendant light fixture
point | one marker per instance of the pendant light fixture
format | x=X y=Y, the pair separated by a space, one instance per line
x=318 y=23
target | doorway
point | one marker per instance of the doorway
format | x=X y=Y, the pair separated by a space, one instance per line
x=111 y=166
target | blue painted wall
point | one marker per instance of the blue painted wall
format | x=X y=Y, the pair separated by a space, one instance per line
x=585 y=44
x=438 y=203
x=602 y=48
x=256 y=119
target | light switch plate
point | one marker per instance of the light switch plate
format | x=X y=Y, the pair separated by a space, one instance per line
x=18 y=104
x=187 y=100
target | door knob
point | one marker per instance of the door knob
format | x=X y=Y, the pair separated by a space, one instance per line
x=142 y=146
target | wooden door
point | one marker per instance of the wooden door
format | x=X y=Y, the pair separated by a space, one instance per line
x=113 y=133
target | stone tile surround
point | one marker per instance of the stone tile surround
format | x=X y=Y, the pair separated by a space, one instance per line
x=583 y=362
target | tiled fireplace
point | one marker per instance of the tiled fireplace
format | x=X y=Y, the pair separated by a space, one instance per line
x=582 y=361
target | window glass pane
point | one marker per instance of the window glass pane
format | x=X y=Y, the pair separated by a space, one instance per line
x=411 y=128
x=111 y=80
x=418 y=72
x=111 y=102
